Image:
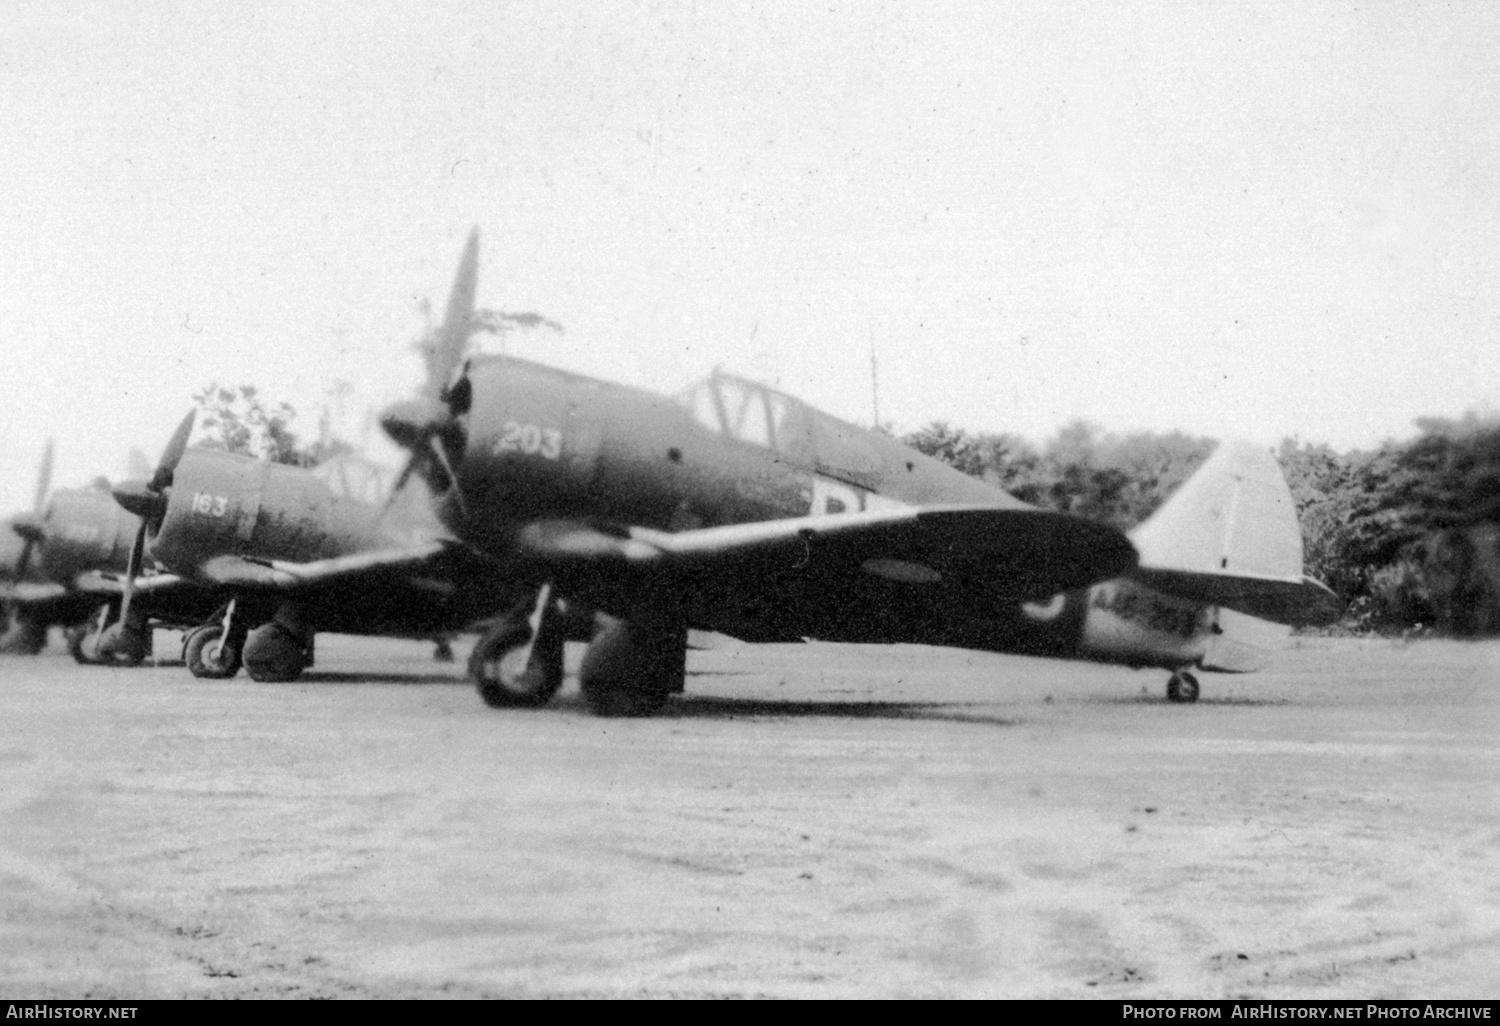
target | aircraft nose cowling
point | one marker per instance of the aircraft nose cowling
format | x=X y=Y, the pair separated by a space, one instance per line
x=140 y=498
x=29 y=526
x=410 y=423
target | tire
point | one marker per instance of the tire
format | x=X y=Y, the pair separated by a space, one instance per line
x=633 y=669
x=77 y=646
x=274 y=655
x=23 y=637
x=503 y=682
x=121 y=646
x=1182 y=687
x=208 y=660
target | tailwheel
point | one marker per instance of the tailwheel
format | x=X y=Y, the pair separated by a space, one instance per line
x=1182 y=687
x=632 y=668
x=275 y=654
x=209 y=655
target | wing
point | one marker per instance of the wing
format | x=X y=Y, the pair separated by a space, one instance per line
x=32 y=593
x=899 y=575
x=1298 y=601
x=98 y=583
x=407 y=589
x=244 y=573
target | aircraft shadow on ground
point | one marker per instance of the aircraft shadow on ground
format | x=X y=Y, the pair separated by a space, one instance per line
x=341 y=677
x=1223 y=701
x=713 y=708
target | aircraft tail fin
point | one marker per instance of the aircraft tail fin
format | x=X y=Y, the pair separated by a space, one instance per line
x=1229 y=537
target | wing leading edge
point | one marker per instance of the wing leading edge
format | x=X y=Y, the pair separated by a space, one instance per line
x=283 y=576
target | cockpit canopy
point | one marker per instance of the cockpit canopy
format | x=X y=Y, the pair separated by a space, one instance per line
x=749 y=412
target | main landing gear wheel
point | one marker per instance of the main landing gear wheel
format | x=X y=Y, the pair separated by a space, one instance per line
x=632 y=668
x=1183 y=687
x=208 y=656
x=84 y=639
x=122 y=645
x=78 y=645
x=511 y=673
x=23 y=637
x=274 y=654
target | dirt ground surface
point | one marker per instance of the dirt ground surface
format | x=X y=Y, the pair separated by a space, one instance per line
x=808 y=821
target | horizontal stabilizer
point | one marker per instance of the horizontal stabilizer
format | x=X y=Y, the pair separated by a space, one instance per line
x=1296 y=601
x=1229 y=537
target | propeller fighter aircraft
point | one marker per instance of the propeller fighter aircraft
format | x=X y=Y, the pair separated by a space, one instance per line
x=285 y=552
x=736 y=508
x=71 y=554
x=29 y=602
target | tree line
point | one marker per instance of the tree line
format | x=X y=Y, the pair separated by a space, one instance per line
x=1408 y=534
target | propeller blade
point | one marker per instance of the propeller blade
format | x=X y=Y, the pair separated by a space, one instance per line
x=132 y=570
x=451 y=339
x=459 y=395
x=23 y=562
x=172 y=454
x=401 y=479
x=33 y=529
x=436 y=445
x=43 y=480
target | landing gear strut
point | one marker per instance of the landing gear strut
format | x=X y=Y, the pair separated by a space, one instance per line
x=1182 y=687
x=519 y=661
x=633 y=666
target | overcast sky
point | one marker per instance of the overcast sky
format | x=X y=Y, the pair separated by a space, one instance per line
x=1224 y=218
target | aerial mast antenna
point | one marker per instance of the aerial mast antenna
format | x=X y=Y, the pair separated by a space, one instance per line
x=874 y=376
